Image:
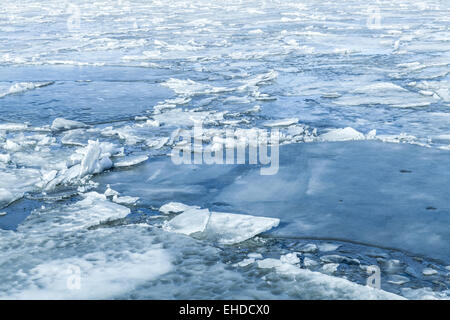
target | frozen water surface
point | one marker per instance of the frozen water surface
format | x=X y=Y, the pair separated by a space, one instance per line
x=91 y=205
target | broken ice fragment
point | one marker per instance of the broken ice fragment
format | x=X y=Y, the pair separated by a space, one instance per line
x=188 y=222
x=175 y=207
x=125 y=199
x=130 y=161
x=64 y=124
x=230 y=228
x=342 y=135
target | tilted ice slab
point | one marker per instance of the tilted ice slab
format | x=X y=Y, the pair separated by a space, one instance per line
x=189 y=222
x=64 y=124
x=226 y=228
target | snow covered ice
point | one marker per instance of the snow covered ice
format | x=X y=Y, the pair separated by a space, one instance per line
x=91 y=113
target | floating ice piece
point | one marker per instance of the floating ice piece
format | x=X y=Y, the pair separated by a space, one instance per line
x=7 y=197
x=310 y=247
x=13 y=126
x=5 y=158
x=189 y=87
x=425 y=294
x=244 y=262
x=290 y=258
x=75 y=137
x=110 y=192
x=334 y=258
x=429 y=272
x=255 y=255
x=130 y=161
x=308 y=262
x=398 y=280
x=46 y=177
x=3 y=214
x=11 y=146
x=92 y=210
x=188 y=222
x=125 y=199
x=93 y=160
x=269 y=263
x=330 y=267
x=24 y=86
x=326 y=247
x=230 y=228
x=179 y=117
x=337 y=287
x=342 y=135
x=281 y=123
x=175 y=207
x=64 y=124
x=331 y=95
x=152 y=123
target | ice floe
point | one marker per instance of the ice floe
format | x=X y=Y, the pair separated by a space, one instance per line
x=130 y=161
x=64 y=124
x=226 y=228
x=24 y=86
x=189 y=222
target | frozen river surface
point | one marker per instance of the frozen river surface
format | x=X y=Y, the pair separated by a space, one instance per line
x=93 y=95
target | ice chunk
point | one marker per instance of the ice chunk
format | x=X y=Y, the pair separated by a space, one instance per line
x=11 y=146
x=189 y=222
x=255 y=255
x=24 y=86
x=130 y=161
x=326 y=247
x=189 y=87
x=334 y=258
x=290 y=258
x=13 y=126
x=429 y=272
x=125 y=199
x=330 y=267
x=310 y=247
x=244 y=262
x=92 y=210
x=64 y=124
x=308 y=262
x=281 y=123
x=5 y=158
x=342 y=135
x=316 y=283
x=397 y=279
x=175 y=207
x=269 y=263
x=93 y=160
x=110 y=192
x=230 y=228
x=101 y=275
x=6 y=197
